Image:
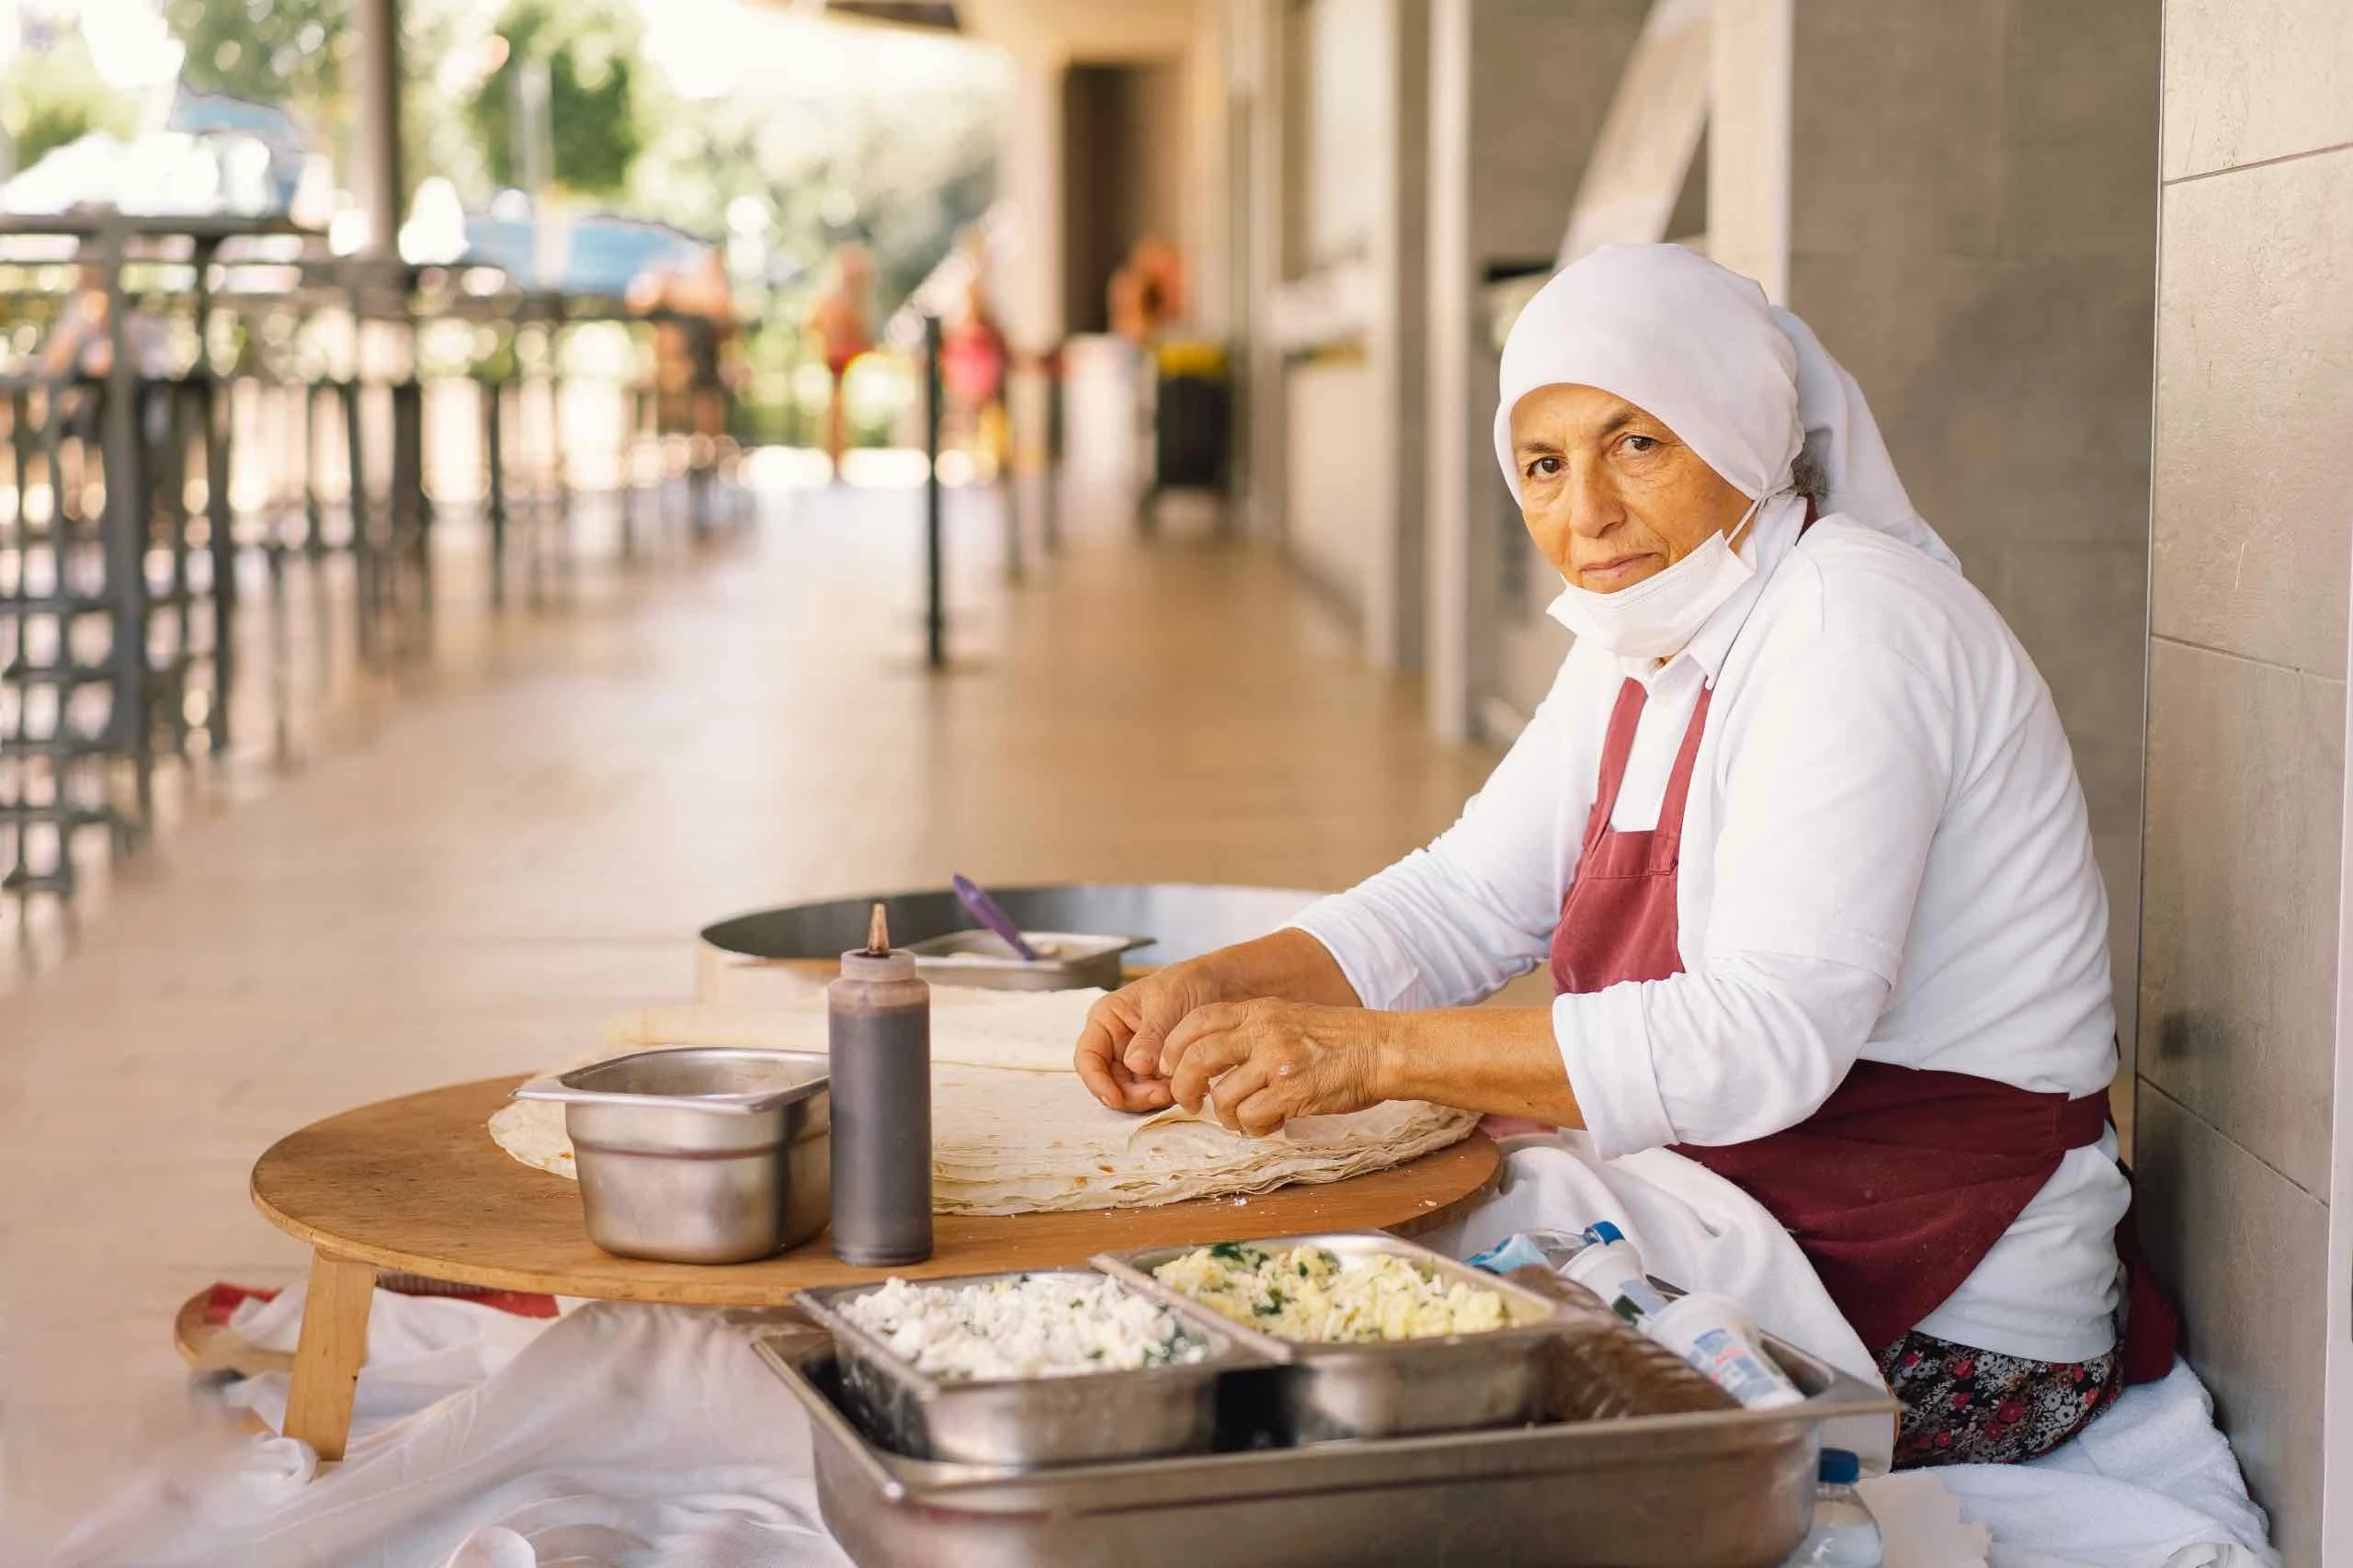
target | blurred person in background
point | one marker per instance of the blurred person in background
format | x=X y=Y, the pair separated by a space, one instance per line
x=1148 y=293
x=690 y=349
x=973 y=358
x=77 y=356
x=840 y=324
x=1145 y=296
x=80 y=344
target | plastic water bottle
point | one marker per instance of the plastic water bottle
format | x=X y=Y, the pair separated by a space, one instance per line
x=1844 y=1534
x=1540 y=1249
x=1610 y=1267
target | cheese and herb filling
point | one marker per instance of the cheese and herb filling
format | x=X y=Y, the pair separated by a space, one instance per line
x=1030 y=1325
x=1318 y=1297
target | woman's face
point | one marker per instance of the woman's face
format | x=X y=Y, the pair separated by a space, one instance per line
x=1609 y=494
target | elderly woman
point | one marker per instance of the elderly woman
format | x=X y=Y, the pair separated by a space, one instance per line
x=1801 y=837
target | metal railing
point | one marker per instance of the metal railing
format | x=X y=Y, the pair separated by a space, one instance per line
x=296 y=427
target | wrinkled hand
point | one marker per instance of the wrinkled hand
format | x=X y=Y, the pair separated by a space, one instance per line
x=1119 y=1050
x=1254 y=1066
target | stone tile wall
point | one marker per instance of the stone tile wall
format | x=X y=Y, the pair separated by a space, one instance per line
x=2243 y=850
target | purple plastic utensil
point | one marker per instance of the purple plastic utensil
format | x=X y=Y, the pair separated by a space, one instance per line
x=986 y=911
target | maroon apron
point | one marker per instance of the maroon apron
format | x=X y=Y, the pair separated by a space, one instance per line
x=1901 y=1182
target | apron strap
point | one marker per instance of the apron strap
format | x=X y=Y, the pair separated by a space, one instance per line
x=1619 y=745
x=1615 y=749
x=1679 y=783
x=2083 y=1121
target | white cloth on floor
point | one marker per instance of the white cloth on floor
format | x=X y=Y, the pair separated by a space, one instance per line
x=621 y=1436
x=2152 y=1483
x=1920 y=1523
x=420 y=1349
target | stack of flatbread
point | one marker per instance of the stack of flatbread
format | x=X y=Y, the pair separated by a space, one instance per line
x=1014 y=1130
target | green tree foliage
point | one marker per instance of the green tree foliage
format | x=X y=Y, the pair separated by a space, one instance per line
x=831 y=157
x=847 y=164
x=293 y=53
x=55 y=96
x=589 y=50
x=297 y=55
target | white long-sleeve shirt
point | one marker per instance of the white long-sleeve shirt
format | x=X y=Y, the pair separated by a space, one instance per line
x=1886 y=855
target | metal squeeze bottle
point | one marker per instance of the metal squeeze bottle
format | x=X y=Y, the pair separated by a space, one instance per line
x=879 y=1040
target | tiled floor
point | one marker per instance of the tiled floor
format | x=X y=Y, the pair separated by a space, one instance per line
x=527 y=839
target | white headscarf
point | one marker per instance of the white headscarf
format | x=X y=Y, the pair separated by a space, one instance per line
x=1743 y=385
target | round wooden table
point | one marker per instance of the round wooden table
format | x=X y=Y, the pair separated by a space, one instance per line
x=416 y=1185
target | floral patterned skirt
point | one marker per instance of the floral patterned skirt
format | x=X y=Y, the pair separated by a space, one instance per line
x=1965 y=1406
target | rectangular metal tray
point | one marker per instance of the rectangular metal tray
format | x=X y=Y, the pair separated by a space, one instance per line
x=1729 y=1489
x=1389 y=1388
x=1029 y=1421
x=984 y=959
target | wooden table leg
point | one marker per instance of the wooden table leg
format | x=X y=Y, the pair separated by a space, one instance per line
x=327 y=1357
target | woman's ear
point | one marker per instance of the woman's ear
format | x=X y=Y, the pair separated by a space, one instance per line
x=1809 y=475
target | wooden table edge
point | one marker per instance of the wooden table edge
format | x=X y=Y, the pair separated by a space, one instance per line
x=719 y=1289
x=328 y=1244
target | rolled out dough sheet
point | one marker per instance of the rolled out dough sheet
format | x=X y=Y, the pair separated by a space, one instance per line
x=1014 y=1130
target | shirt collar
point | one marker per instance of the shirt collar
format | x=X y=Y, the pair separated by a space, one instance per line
x=1776 y=529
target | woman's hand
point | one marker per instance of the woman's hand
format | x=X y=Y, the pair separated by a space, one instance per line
x=1254 y=1066
x=1119 y=1050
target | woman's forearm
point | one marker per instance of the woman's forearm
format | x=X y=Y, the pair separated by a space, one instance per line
x=1503 y=1060
x=1288 y=965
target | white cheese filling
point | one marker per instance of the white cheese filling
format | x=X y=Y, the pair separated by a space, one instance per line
x=1030 y=1325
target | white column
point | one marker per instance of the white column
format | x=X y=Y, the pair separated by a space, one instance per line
x=1026 y=287
x=1447 y=518
x=1382 y=448
x=1207 y=208
x=379 y=62
x=2337 y=1400
x=1748 y=141
x=1259 y=62
x=1030 y=294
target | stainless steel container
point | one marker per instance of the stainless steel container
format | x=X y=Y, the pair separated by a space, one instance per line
x=1025 y=1422
x=1728 y=1489
x=1391 y=1387
x=699 y=1154
x=1066 y=960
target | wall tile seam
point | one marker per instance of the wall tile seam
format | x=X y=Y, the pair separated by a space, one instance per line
x=2126 y=989
x=2273 y=665
x=2321 y=152
x=2132 y=255
x=2142 y=1080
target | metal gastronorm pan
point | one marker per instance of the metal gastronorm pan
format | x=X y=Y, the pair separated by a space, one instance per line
x=700 y=1154
x=1724 y=1489
x=1025 y=1421
x=1384 y=1388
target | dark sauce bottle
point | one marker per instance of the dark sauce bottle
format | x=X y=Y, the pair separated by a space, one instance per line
x=879 y=1037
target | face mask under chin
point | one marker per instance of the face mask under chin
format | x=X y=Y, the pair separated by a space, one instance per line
x=1655 y=618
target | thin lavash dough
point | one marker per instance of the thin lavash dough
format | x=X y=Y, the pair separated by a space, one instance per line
x=1014 y=1129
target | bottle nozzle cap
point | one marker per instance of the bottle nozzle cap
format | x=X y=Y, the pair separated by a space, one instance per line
x=1839 y=1468
x=1604 y=1232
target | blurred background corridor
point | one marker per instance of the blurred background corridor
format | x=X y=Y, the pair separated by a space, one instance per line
x=488 y=487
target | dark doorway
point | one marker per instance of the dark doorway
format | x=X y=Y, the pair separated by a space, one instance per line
x=1121 y=143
